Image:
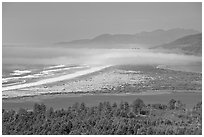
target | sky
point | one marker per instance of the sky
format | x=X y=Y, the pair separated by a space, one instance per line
x=57 y=22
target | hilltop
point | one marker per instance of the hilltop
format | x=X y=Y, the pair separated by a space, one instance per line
x=139 y=40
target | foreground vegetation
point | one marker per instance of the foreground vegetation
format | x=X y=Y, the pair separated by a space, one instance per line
x=106 y=118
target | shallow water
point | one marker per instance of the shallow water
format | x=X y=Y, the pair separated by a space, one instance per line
x=26 y=75
x=63 y=101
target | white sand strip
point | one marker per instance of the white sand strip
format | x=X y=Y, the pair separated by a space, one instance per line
x=56 y=79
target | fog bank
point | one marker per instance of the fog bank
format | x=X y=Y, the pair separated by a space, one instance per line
x=93 y=56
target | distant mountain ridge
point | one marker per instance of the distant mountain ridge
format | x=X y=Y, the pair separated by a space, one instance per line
x=191 y=44
x=146 y=39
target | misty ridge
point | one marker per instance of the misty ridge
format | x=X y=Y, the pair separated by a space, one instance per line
x=143 y=39
x=171 y=47
x=190 y=44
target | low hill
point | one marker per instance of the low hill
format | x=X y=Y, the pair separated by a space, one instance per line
x=191 y=44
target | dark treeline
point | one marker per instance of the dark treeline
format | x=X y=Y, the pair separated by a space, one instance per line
x=106 y=118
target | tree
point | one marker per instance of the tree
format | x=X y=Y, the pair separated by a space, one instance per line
x=22 y=113
x=39 y=109
x=179 y=105
x=171 y=104
x=82 y=106
x=100 y=107
x=126 y=107
x=50 y=112
x=66 y=128
x=137 y=106
x=114 y=105
x=198 y=106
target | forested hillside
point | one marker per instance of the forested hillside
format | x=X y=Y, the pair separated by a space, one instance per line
x=124 y=118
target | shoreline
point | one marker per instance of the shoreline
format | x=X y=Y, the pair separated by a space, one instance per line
x=56 y=79
x=80 y=94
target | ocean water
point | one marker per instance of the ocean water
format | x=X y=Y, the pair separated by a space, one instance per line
x=26 y=74
x=29 y=64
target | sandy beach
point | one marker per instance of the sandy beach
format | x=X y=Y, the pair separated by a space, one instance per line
x=80 y=82
x=55 y=79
